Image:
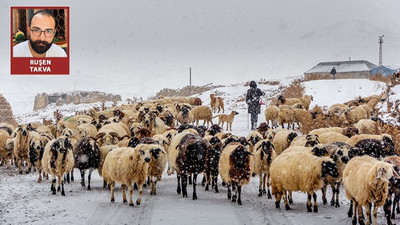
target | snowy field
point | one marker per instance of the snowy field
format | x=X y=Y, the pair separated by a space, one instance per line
x=24 y=201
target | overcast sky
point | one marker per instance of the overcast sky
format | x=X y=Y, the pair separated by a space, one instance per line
x=153 y=43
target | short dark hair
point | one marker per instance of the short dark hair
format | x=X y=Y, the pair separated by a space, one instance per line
x=44 y=12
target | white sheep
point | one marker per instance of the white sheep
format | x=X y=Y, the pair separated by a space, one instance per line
x=332 y=137
x=104 y=150
x=110 y=134
x=271 y=113
x=306 y=100
x=356 y=138
x=286 y=116
x=353 y=115
x=282 y=140
x=299 y=171
x=157 y=164
x=367 y=126
x=264 y=155
x=4 y=155
x=58 y=160
x=87 y=130
x=202 y=113
x=366 y=181
x=253 y=138
x=21 y=146
x=305 y=140
x=126 y=166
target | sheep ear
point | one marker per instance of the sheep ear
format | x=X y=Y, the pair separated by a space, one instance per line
x=131 y=157
x=308 y=137
x=383 y=173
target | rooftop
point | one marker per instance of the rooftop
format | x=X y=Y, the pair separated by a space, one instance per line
x=342 y=66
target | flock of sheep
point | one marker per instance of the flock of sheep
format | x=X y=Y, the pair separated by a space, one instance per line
x=132 y=145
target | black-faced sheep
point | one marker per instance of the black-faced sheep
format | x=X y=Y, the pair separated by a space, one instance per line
x=282 y=140
x=153 y=123
x=58 y=160
x=235 y=169
x=214 y=129
x=300 y=171
x=87 y=156
x=264 y=155
x=4 y=156
x=126 y=166
x=190 y=160
x=309 y=140
x=394 y=188
x=37 y=143
x=376 y=148
x=366 y=182
x=356 y=138
x=253 y=138
x=212 y=160
x=157 y=164
x=288 y=101
x=185 y=115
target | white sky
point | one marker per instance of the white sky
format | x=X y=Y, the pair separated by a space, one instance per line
x=144 y=45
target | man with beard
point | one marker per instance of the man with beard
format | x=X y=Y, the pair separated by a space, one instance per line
x=40 y=44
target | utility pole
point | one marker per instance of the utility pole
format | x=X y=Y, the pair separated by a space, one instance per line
x=380 y=49
x=190 y=76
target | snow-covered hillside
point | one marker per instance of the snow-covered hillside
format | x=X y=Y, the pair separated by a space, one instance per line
x=24 y=201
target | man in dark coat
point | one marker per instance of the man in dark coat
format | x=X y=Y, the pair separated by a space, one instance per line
x=333 y=72
x=253 y=103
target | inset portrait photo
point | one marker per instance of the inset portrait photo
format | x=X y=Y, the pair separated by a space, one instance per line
x=40 y=40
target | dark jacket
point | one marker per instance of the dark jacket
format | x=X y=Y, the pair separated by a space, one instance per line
x=333 y=71
x=253 y=99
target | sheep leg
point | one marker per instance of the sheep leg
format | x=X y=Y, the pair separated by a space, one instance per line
x=139 y=199
x=290 y=198
x=309 y=202
x=112 y=185
x=194 y=186
x=215 y=178
x=315 y=202
x=90 y=177
x=264 y=180
x=239 y=195
x=323 y=190
x=40 y=176
x=387 y=207
x=19 y=163
x=184 y=185
x=59 y=183
x=395 y=201
x=82 y=178
x=104 y=183
x=337 y=205
x=268 y=186
x=350 y=212
x=360 y=214
x=206 y=180
x=234 y=188
x=278 y=197
x=190 y=179
x=333 y=194
x=368 y=213
x=229 y=191
x=260 y=185
x=285 y=200
x=178 y=189
x=123 y=188
x=53 y=186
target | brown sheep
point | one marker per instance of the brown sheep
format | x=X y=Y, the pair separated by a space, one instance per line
x=202 y=113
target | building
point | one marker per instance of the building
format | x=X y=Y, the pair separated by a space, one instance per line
x=384 y=70
x=357 y=69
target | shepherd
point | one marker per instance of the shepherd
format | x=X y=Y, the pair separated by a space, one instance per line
x=333 y=72
x=253 y=103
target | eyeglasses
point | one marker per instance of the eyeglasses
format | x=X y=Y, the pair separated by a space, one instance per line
x=47 y=33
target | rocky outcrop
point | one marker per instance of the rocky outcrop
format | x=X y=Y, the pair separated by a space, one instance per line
x=6 y=114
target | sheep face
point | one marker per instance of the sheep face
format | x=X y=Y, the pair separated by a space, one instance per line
x=107 y=138
x=214 y=129
x=133 y=142
x=290 y=137
x=155 y=152
x=319 y=151
x=24 y=129
x=329 y=168
x=385 y=172
x=36 y=149
x=144 y=154
x=281 y=99
x=67 y=132
x=254 y=139
x=240 y=157
x=266 y=148
x=312 y=140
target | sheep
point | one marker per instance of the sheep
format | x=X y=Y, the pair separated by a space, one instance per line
x=354 y=115
x=87 y=156
x=37 y=144
x=185 y=116
x=282 y=140
x=288 y=101
x=356 y=138
x=345 y=131
x=318 y=150
x=376 y=148
x=133 y=129
x=212 y=160
x=10 y=150
x=157 y=164
x=337 y=109
x=125 y=166
x=4 y=156
x=81 y=121
x=167 y=117
x=253 y=137
x=270 y=134
x=21 y=146
x=306 y=101
x=234 y=169
x=104 y=150
x=305 y=140
x=394 y=188
x=366 y=181
x=286 y=116
x=194 y=101
x=339 y=152
x=332 y=137
x=173 y=151
x=87 y=130
x=202 y=113
x=7 y=127
x=58 y=160
x=300 y=171
x=271 y=114
x=153 y=123
x=61 y=125
x=367 y=126
x=110 y=134
x=162 y=140
x=264 y=155
x=190 y=160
